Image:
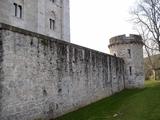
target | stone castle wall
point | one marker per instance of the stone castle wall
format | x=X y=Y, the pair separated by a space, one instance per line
x=41 y=77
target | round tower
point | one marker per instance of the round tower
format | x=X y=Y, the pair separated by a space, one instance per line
x=130 y=48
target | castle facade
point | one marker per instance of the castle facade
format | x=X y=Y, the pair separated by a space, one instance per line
x=48 y=17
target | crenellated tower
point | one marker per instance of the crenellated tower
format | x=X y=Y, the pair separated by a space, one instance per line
x=130 y=48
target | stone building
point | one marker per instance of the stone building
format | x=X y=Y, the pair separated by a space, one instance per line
x=48 y=17
x=130 y=48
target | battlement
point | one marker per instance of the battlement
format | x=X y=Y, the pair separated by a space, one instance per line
x=123 y=39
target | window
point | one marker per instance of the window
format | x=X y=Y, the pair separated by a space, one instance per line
x=130 y=70
x=17 y=10
x=20 y=11
x=52 y=24
x=129 y=53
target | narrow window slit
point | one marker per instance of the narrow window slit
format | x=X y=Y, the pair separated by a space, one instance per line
x=15 y=9
x=130 y=70
x=129 y=53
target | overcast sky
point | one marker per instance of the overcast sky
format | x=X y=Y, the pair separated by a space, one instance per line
x=93 y=22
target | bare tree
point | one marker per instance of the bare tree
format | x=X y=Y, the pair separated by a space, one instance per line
x=146 y=17
x=148 y=52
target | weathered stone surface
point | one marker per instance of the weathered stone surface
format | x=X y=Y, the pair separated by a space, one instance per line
x=120 y=46
x=42 y=77
x=36 y=15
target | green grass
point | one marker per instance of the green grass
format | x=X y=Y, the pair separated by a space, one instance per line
x=137 y=104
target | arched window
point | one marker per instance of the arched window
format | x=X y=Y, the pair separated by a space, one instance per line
x=52 y=20
x=52 y=24
x=17 y=10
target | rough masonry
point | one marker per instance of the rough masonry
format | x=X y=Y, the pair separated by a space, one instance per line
x=42 y=77
x=130 y=48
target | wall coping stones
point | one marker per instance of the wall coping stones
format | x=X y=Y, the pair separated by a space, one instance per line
x=4 y=26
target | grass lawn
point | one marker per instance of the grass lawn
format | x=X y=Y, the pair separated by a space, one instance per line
x=138 y=104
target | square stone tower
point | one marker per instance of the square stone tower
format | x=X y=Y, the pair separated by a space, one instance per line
x=48 y=17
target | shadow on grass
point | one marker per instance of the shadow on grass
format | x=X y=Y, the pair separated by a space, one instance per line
x=135 y=104
x=101 y=107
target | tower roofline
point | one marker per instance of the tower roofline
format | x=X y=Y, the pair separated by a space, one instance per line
x=123 y=39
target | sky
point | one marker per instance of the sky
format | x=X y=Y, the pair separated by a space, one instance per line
x=94 y=22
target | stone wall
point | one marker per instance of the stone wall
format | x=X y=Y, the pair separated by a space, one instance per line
x=41 y=77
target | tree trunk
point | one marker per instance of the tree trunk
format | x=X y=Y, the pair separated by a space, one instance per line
x=154 y=74
x=159 y=45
